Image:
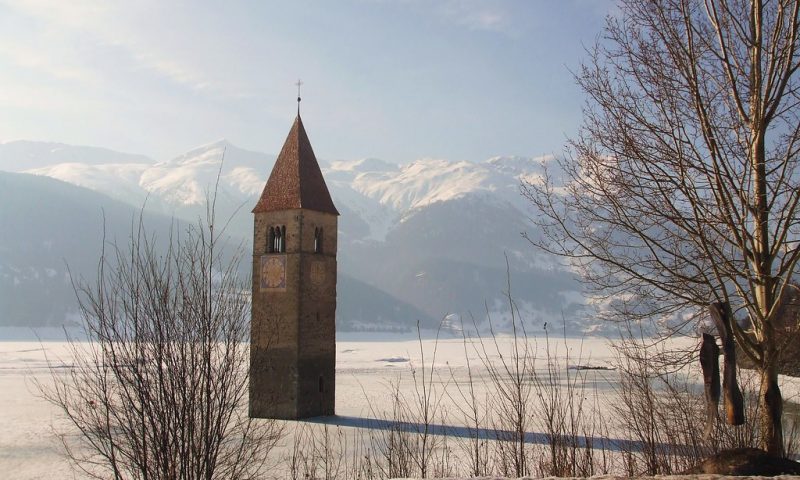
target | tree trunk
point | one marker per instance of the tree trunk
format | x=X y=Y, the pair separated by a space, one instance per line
x=734 y=401
x=770 y=401
x=770 y=405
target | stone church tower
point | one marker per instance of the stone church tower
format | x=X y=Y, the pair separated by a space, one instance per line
x=292 y=332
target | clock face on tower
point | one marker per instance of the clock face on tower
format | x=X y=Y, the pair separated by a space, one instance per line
x=273 y=272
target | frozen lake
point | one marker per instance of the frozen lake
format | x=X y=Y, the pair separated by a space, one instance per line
x=367 y=366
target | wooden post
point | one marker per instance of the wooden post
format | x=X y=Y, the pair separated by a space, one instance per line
x=709 y=361
x=734 y=402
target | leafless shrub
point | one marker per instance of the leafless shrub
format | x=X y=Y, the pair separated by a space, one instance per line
x=159 y=390
x=660 y=406
x=323 y=452
x=524 y=399
x=510 y=376
x=393 y=442
x=410 y=446
x=424 y=409
x=552 y=400
x=653 y=409
x=473 y=413
x=513 y=387
x=569 y=422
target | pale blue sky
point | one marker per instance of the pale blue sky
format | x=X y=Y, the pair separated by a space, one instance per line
x=397 y=80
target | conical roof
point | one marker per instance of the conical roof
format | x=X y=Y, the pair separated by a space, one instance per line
x=296 y=180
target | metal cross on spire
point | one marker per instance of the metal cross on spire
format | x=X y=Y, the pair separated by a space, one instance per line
x=298 y=83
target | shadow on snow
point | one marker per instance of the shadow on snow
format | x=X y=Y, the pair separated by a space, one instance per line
x=611 y=444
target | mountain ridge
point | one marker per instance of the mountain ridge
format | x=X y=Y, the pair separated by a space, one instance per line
x=435 y=214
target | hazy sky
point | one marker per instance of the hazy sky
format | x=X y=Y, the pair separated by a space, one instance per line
x=397 y=80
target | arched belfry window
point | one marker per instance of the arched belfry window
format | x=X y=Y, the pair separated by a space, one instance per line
x=276 y=241
x=271 y=240
x=318 y=240
x=277 y=237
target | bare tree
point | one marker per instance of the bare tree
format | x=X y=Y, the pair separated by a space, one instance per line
x=682 y=187
x=159 y=390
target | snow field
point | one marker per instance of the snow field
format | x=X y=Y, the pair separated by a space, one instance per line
x=367 y=370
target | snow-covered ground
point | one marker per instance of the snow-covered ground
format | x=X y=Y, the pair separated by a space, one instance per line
x=660 y=477
x=366 y=366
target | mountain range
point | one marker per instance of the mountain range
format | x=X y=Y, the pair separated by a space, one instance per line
x=423 y=241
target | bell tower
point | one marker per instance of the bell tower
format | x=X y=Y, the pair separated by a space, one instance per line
x=292 y=330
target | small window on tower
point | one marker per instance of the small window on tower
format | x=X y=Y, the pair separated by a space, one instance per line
x=271 y=240
x=318 y=240
x=283 y=238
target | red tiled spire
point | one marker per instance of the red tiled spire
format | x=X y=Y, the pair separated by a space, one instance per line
x=296 y=180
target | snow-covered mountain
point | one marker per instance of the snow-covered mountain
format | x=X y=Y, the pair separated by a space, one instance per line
x=380 y=193
x=23 y=155
x=432 y=234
